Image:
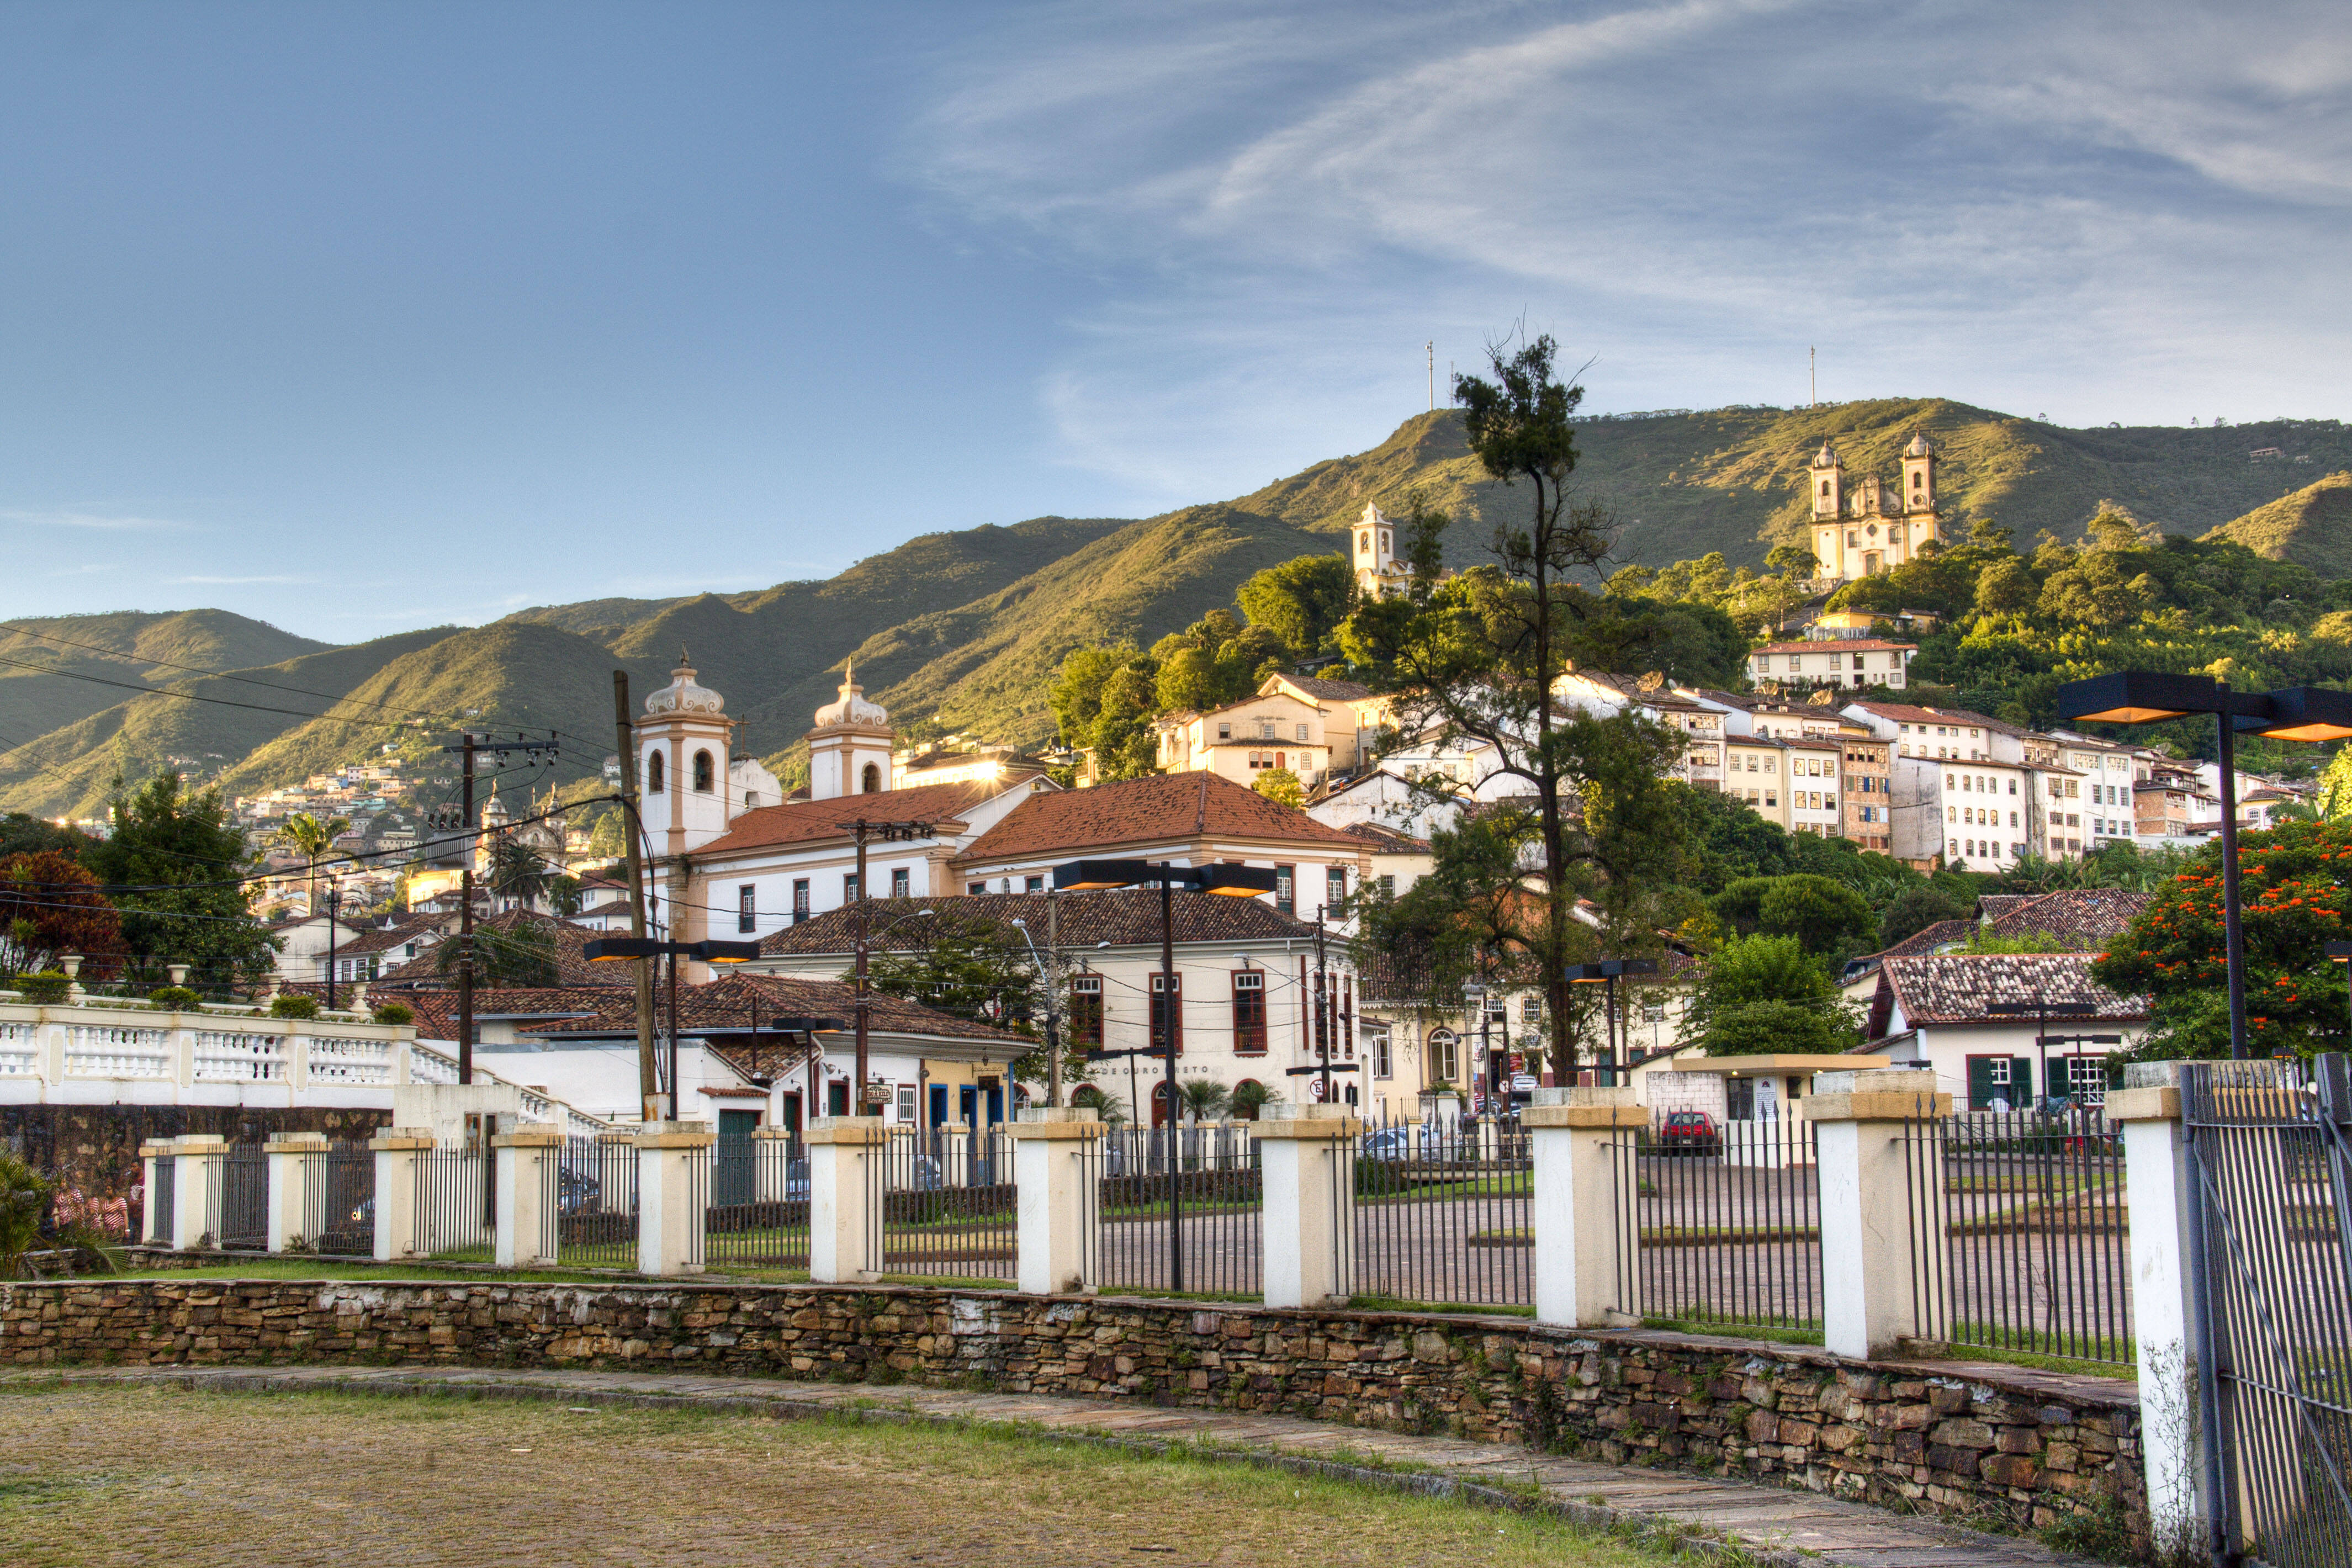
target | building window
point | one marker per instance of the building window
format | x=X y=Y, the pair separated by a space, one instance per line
x=653 y=773
x=1087 y=1010
x=1033 y=884
x=870 y=781
x=849 y=890
x=1161 y=1011
x=975 y=888
x=746 y=906
x=1249 y=1011
x=1334 y=886
x=1376 y=1046
x=901 y=881
x=1224 y=732
x=1285 y=889
x=702 y=773
x=1445 y=1056
x=800 y=899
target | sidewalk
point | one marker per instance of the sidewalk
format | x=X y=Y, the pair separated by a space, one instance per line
x=1778 y=1526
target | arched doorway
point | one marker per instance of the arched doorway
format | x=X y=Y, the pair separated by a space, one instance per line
x=1162 y=1099
x=1245 y=1104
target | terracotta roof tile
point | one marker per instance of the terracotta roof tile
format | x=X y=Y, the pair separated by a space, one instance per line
x=730 y=1003
x=1927 y=939
x=816 y=821
x=1121 y=917
x=1332 y=691
x=1151 y=810
x=571 y=967
x=1959 y=988
x=2083 y=918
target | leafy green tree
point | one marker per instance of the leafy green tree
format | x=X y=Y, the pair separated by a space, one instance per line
x=50 y=904
x=2007 y=588
x=520 y=953
x=1830 y=918
x=21 y=834
x=2091 y=592
x=1303 y=602
x=1916 y=908
x=1204 y=1101
x=1281 y=786
x=179 y=871
x=1757 y=990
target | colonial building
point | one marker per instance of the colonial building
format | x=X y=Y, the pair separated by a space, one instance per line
x=1937 y=1011
x=1867 y=532
x=1379 y=574
x=1838 y=662
x=1313 y=727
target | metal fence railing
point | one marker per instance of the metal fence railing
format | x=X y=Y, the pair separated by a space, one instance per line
x=758 y=1216
x=456 y=1217
x=2036 y=1239
x=1177 y=1209
x=339 y=1200
x=588 y=1187
x=159 y=1203
x=1729 y=1225
x=1437 y=1216
x=238 y=1212
x=948 y=1206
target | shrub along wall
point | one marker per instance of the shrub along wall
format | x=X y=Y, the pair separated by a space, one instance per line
x=2023 y=1451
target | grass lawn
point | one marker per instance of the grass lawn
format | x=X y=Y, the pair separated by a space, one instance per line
x=105 y=1474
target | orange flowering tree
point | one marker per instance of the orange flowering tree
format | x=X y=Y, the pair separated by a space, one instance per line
x=2296 y=883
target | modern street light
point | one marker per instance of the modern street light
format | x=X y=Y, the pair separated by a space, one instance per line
x=1232 y=881
x=2039 y=1010
x=1608 y=972
x=620 y=948
x=2341 y=953
x=865 y=832
x=1053 y=985
x=2149 y=696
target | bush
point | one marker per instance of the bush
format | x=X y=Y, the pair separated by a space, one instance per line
x=395 y=1013
x=174 y=998
x=49 y=985
x=293 y=1006
x=23 y=1198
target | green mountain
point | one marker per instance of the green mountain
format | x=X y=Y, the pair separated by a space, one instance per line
x=962 y=629
x=2311 y=527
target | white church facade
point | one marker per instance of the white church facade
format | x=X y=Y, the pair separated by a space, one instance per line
x=1863 y=532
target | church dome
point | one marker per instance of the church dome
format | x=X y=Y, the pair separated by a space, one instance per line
x=682 y=695
x=852 y=707
x=1826 y=457
x=1918 y=447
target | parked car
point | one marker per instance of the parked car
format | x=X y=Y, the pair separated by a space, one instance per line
x=1689 y=1132
x=1388 y=1143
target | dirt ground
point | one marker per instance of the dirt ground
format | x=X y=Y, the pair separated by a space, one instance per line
x=157 y=1476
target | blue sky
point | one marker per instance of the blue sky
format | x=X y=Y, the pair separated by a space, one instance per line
x=360 y=318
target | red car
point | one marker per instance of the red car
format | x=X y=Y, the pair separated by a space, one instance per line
x=1688 y=1132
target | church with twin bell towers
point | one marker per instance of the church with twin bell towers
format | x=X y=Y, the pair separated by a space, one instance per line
x=1863 y=532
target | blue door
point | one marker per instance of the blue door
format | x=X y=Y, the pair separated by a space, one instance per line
x=939 y=1103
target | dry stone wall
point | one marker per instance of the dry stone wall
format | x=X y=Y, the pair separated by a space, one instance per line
x=2023 y=1450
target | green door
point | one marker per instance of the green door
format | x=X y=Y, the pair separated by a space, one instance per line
x=734 y=1179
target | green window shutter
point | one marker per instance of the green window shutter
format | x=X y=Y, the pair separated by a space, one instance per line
x=1982 y=1090
x=2021 y=1081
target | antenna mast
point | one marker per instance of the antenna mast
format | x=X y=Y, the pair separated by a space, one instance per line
x=1433 y=375
x=1813 y=378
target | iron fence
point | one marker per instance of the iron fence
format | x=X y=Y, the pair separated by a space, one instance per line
x=2271 y=1190
x=759 y=1209
x=160 y=1201
x=588 y=1193
x=1177 y=1208
x=949 y=1204
x=1428 y=1214
x=339 y=1200
x=1730 y=1224
x=238 y=1211
x=456 y=1205
x=2025 y=1212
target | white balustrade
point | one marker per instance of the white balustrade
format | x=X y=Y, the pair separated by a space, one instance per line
x=102 y=1051
x=345 y=1059
x=240 y=1059
x=19 y=1050
x=427 y=1064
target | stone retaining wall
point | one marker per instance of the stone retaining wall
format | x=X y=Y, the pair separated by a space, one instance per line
x=2022 y=1449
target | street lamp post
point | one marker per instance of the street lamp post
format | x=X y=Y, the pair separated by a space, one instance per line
x=2149 y=696
x=1233 y=881
x=1049 y=967
x=1607 y=972
x=865 y=832
x=618 y=949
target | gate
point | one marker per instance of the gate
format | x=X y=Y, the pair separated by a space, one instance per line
x=2270 y=1182
x=240 y=1216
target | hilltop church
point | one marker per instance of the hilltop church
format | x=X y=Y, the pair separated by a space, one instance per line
x=1867 y=532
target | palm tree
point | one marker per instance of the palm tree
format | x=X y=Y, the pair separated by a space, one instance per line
x=1251 y=1097
x=517 y=871
x=1099 y=1101
x=311 y=838
x=1204 y=1100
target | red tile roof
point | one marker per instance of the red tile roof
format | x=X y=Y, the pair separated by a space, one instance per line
x=2083 y=918
x=1333 y=690
x=1154 y=810
x=1836 y=645
x=1909 y=713
x=1960 y=988
x=735 y=1000
x=817 y=820
x=571 y=967
x=1124 y=917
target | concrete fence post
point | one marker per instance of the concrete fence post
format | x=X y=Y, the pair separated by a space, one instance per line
x=1057 y=1155
x=955 y=1154
x=1581 y=1205
x=155 y=1227
x=673 y=1191
x=772 y=1172
x=1877 y=1265
x=2165 y=1308
x=398 y=1151
x=291 y=1170
x=195 y=1200
x=527 y=1206
x=1307 y=1171
x=844 y=1199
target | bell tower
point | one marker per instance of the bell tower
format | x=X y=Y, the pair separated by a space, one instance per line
x=849 y=750
x=1918 y=476
x=1828 y=486
x=682 y=765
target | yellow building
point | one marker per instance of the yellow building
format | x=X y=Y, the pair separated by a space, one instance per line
x=1866 y=531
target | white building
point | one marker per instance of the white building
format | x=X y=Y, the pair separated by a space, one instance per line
x=1937 y=1011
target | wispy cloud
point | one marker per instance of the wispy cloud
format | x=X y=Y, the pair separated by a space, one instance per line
x=109 y=522
x=216 y=582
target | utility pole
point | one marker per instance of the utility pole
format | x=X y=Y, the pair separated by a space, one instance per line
x=334 y=906
x=624 y=738
x=857 y=1100
x=1322 y=1031
x=466 y=927
x=1433 y=375
x=1168 y=1028
x=1812 y=379
x=1053 y=988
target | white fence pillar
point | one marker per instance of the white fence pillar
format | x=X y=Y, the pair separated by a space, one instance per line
x=293 y=1166
x=1056 y=1157
x=1581 y=1201
x=195 y=1200
x=1875 y=1271
x=398 y=1151
x=155 y=1227
x=772 y=1170
x=673 y=1191
x=2165 y=1326
x=1307 y=1168
x=527 y=1202
x=844 y=1199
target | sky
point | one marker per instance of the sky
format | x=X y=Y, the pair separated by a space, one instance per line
x=366 y=317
